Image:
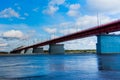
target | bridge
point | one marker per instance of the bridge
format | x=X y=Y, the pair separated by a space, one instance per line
x=101 y=31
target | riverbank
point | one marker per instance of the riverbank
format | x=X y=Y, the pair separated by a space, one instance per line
x=77 y=51
x=2 y=53
x=88 y=51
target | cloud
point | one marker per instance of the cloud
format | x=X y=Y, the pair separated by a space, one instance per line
x=105 y=6
x=21 y=27
x=26 y=14
x=53 y=6
x=13 y=34
x=36 y=9
x=68 y=31
x=81 y=23
x=16 y=35
x=53 y=36
x=17 y=6
x=51 y=10
x=88 y=21
x=3 y=44
x=24 y=29
x=85 y=43
x=74 y=10
x=56 y=2
x=9 y=13
x=50 y=30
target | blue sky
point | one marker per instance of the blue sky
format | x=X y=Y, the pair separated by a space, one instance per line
x=30 y=21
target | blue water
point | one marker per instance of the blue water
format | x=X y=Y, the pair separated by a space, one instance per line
x=60 y=67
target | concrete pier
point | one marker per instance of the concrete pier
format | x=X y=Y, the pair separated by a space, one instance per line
x=56 y=49
x=22 y=52
x=38 y=50
x=108 y=44
x=29 y=51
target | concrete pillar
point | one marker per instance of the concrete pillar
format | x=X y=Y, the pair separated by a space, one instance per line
x=38 y=50
x=29 y=51
x=108 y=44
x=22 y=52
x=56 y=49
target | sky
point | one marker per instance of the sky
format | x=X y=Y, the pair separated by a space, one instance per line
x=26 y=22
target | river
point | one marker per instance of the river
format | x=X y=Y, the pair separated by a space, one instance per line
x=60 y=67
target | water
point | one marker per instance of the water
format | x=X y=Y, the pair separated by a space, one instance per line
x=60 y=67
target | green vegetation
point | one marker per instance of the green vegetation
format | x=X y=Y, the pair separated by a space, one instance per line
x=76 y=51
x=67 y=51
x=80 y=51
x=3 y=52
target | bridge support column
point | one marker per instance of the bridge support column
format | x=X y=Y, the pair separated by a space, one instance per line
x=56 y=49
x=108 y=44
x=38 y=50
x=29 y=51
x=22 y=52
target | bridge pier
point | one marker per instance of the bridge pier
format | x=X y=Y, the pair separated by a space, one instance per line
x=108 y=44
x=38 y=50
x=22 y=52
x=29 y=51
x=56 y=49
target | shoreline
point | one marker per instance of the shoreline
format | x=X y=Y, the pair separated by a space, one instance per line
x=44 y=54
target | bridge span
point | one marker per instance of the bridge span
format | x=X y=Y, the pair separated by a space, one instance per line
x=98 y=30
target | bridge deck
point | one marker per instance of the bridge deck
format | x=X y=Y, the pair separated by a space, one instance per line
x=102 y=29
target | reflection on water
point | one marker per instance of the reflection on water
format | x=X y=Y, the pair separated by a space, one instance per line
x=60 y=67
x=109 y=62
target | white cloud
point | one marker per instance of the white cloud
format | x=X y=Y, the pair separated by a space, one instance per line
x=19 y=8
x=56 y=2
x=53 y=6
x=16 y=35
x=36 y=9
x=75 y=6
x=53 y=36
x=105 y=6
x=88 y=21
x=74 y=10
x=51 y=10
x=50 y=30
x=81 y=23
x=21 y=27
x=68 y=31
x=26 y=14
x=86 y=43
x=3 y=44
x=9 y=13
x=13 y=34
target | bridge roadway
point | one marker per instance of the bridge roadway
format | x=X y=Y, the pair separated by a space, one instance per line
x=102 y=29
